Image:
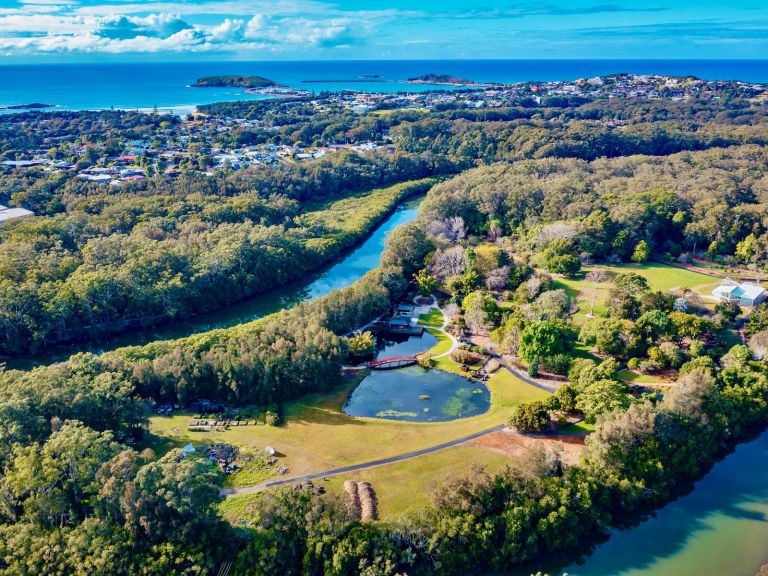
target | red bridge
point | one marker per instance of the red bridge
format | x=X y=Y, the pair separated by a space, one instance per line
x=393 y=362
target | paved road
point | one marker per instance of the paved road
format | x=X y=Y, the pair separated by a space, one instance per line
x=356 y=467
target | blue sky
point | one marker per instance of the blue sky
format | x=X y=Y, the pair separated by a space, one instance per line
x=124 y=30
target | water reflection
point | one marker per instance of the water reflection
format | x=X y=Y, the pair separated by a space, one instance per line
x=719 y=529
x=415 y=394
x=339 y=275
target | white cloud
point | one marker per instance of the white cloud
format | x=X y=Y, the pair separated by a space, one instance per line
x=45 y=27
x=229 y=30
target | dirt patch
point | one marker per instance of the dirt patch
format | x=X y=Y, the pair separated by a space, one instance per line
x=515 y=445
x=483 y=341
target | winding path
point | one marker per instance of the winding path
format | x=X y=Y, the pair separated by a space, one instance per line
x=524 y=377
x=355 y=467
x=408 y=455
x=514 y=371
x=441 y=329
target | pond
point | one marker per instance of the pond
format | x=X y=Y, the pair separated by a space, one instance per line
x=389 y=345
x=415 y=394
x=718 y=529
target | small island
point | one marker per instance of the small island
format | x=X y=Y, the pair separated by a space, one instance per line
x=234 y=82
x=32 y=106
x=441 y=79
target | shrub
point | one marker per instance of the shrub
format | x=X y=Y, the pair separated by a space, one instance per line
x=272 y=418
x=703 y=364
x=465 y=357
x=633 y=363
x=425 y=361
x=697 y=348
x=530 y=417
x=533 y=368
x=648 y=366
x=557 y=364
x=566 y=398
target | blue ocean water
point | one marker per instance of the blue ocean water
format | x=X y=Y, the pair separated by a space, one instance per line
x=166 y=85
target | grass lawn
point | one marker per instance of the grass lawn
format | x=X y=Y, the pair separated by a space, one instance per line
x=659 y=276
x=663 y=277
x=582 y=350
x=515 y=390
x=444 y=343
x=580 y=427
x=445 y=363
x=241 y=507
x=434 y=319
x=632 y=378
x=406 y=485
x=317 y=435
x=580 y=292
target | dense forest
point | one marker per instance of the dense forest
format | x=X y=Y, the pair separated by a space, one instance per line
x=551 y=185
x=164 y=247
x=635 y=458
x=712 y=199
x=137 y=259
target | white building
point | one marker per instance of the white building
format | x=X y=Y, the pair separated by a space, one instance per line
x=743 y=293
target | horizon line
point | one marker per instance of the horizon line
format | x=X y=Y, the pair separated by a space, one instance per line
x=278 y=61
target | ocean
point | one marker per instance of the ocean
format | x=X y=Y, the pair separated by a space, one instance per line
x=166 y=85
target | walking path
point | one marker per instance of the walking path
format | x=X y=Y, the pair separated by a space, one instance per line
x=443 y=328
x=355 y=467
x=519 y=374
x=408 y=455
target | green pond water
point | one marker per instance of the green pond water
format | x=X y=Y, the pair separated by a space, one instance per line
x=415 y=394
x=719 y=529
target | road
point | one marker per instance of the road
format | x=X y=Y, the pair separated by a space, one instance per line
x=355 y=467
x=407 y=456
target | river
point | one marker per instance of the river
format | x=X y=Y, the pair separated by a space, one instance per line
x=718 y=529
x=340 y=274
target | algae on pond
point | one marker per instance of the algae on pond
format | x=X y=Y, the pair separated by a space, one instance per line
x=417 y=394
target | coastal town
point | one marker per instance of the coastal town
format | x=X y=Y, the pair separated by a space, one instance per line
x=346 y=288
x=201 y=142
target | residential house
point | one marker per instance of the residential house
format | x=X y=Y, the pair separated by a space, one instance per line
x=745 y=294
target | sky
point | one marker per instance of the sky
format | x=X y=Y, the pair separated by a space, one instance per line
x=162 y=30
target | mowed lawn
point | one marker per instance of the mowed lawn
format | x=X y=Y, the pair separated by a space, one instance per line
x=634 y=378
x=660 y=277
x=444 y=343
x=317 y=435
x=406 y=485
x=434 y=319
